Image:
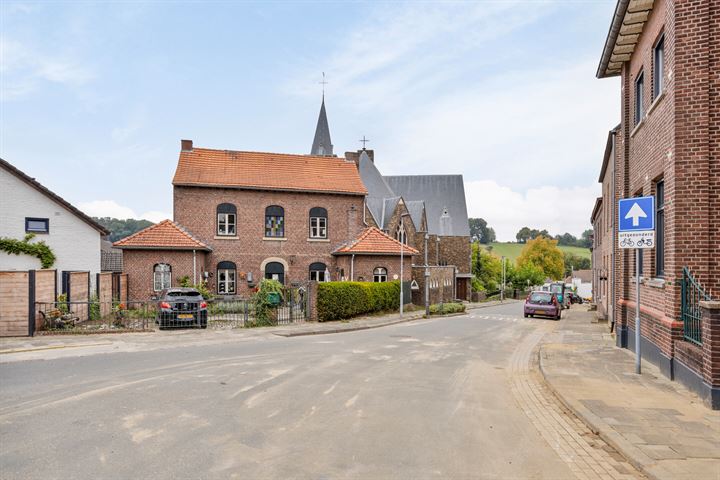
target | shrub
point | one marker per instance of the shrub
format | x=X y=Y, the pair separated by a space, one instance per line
x=445 y=308
x=265 y=312
x=338 y=300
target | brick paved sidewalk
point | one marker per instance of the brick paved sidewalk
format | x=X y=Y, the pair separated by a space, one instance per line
x=661 y=428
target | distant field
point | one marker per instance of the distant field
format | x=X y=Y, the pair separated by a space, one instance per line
x=512 y=250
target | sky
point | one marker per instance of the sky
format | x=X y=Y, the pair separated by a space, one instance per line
x=95 y=97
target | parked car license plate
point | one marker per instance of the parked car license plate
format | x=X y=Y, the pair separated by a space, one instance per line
x=185 y=315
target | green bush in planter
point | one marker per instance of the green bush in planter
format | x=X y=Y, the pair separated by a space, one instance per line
x=339 y=300
x=445 y=308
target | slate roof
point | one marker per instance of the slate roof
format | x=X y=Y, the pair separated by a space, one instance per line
x=372 y=241
x=166 y=235
x=439 y=192
x=267 y=171
x=416 y=208
x=322 y=145
x=52 y=195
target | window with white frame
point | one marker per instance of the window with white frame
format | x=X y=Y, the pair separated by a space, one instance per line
x=318 y=272
x=226 y=275
x=226 y=219
x=318 y=222
x=380 y=274
x=161 y=276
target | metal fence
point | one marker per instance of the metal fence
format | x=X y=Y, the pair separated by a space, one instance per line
x=96 y=316
x=691 y=295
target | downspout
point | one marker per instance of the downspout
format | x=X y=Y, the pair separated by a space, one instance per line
x=194 y=269
x=352 y=268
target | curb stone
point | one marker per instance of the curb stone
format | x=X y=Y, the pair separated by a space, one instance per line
x=363 y=327
x=601 y=428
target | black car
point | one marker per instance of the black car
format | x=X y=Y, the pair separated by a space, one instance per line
x=181 y=307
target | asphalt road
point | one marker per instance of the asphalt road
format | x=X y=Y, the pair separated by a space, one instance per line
x=425 y=399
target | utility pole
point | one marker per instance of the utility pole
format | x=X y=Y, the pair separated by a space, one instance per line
x=427 y=278
x=403 y=238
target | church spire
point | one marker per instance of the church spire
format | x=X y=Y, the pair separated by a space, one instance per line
x=322 y=145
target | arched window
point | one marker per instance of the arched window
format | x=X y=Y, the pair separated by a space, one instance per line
x=400 y=234
x=226 y=275
x=161 y=276
x=318 y=272
x=275 y=271
x=318 y=222
x=380 y=274
x=274 y=221
x=226 y=219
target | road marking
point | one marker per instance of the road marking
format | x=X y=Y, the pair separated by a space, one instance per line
x=329 y=390
x=585 y=453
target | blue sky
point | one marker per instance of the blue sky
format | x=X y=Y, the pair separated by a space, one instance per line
x=94 y=98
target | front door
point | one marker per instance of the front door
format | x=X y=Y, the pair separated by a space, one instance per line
x=275 y=271
x=462 y=288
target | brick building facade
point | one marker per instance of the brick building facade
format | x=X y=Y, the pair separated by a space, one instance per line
x=667 y=54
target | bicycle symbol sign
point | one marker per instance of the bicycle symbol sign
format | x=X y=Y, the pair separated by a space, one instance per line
x=636 y=239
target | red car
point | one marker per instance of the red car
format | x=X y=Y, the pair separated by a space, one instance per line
x=544 y=304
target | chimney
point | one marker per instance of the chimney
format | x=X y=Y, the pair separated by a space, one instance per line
x=186 y=145
x=352 y=157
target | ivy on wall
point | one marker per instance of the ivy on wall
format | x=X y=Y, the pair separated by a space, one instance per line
x=39 y=249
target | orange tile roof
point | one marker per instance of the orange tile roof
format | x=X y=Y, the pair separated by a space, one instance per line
x=373 y=241
x=273 y=171
x=166 y=235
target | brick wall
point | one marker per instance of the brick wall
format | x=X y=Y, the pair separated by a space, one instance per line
x=456 y=251
x=139 y=265
x=195 y=209
x=364 y=265
x=441 y=284
x=677 y=142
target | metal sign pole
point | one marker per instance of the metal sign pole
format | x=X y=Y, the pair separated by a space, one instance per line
x=638 y=355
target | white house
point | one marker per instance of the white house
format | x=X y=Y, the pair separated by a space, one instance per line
x=28 y=207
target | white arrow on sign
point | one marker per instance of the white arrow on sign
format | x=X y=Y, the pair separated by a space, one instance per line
x=635 y=213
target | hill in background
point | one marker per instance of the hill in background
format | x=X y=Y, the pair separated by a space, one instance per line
x=512 y=250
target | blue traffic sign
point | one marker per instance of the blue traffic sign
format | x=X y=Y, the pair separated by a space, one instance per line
x=636 y=214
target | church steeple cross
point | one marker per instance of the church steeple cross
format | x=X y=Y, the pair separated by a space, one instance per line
x=323 y=83
x=363 y=141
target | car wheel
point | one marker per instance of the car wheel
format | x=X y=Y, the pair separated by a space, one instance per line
x=525 y=315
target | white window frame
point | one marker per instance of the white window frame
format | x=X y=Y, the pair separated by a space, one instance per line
x=226 y=286
x=226 y=224
x=380 y=274
x=318 y=227
x=401 y=234
x=161 y=276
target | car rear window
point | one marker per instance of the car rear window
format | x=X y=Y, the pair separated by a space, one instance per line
x=540 y=298
x=184 y=294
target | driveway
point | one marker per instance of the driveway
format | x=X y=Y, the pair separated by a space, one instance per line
x=441 y=398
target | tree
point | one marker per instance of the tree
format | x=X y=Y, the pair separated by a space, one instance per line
x=523 y=235
x=567 y=239
x=486 y=268
x=543 y=253
x=586 y=239
x=575 y=262
x=121 y=228
x=527 y=274
x=480 y=232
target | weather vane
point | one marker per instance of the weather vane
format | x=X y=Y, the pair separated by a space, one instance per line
x=364 y=141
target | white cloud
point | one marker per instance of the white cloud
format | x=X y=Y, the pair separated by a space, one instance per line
x=558 y=210
x=23 y=69
x=110 y=208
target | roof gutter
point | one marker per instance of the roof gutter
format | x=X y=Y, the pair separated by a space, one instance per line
x=612 y=36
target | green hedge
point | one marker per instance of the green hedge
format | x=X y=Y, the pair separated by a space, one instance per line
x=445 y=308
x=338 y=300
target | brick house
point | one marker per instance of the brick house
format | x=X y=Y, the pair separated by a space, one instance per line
x=667 y=55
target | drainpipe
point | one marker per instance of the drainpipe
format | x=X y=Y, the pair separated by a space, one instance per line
x=194 y=269
x=352 y=268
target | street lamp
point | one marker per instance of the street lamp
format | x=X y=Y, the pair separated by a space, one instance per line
x=502 y=291
x=403 y=237
x=427 y=278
